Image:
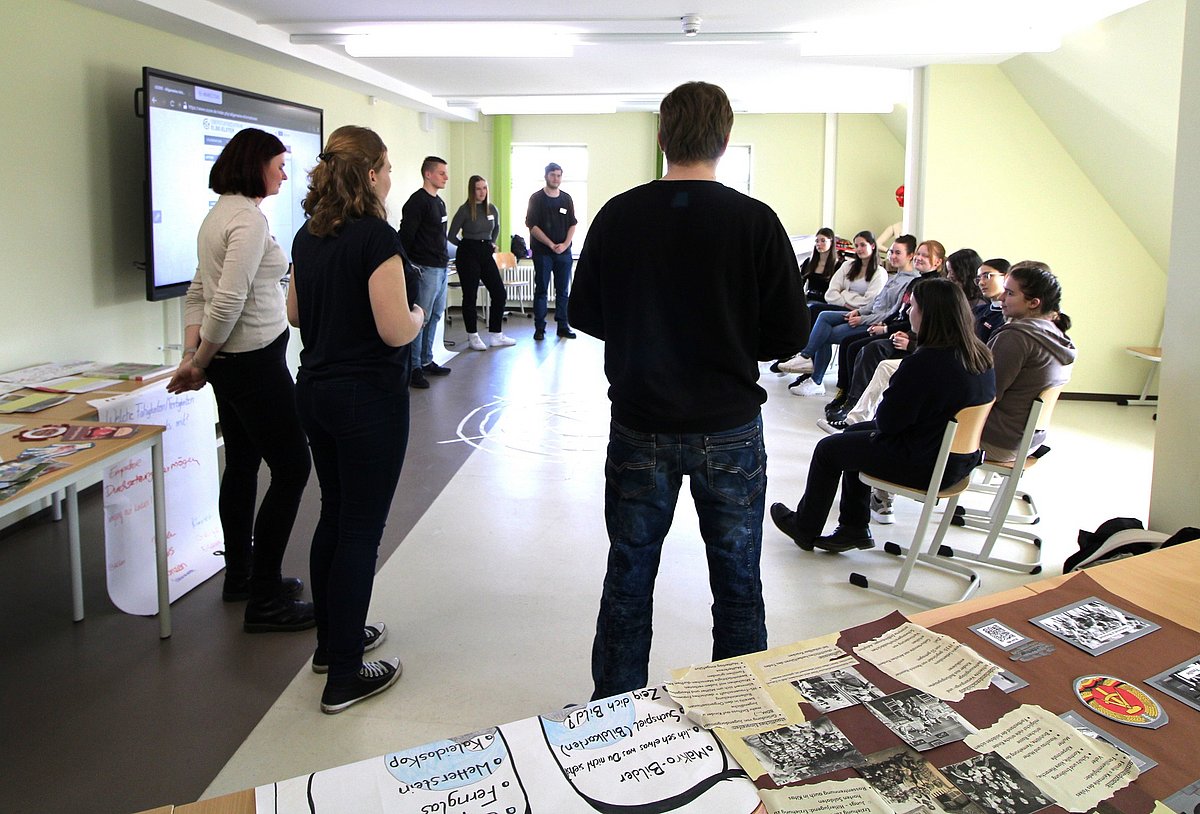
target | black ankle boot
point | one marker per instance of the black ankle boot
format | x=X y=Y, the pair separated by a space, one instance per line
x=278 y=615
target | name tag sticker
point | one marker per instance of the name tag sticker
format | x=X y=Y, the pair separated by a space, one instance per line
x=491 y=217
x=444 y=218
x=562 y=210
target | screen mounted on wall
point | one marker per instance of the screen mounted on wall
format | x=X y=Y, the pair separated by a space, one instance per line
x=188 y=122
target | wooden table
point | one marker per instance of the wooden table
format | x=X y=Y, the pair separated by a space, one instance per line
x=77 y=408
x=85 y=468
x=1165 y=582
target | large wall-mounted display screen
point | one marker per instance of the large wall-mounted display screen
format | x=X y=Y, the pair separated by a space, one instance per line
x=188 y=122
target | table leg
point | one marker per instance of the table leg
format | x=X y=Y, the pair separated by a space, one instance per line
x=160 y=542
x=71 y=499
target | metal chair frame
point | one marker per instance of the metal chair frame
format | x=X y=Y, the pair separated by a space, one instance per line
x=962 y=435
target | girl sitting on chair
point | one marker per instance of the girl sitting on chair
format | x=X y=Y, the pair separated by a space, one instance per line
x=951 y=369
x=1032 y=352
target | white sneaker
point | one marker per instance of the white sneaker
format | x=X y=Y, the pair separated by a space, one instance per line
x=881 y=507
x=797 y=364
x=807 y=388
x=475 y=342
x=500 y=340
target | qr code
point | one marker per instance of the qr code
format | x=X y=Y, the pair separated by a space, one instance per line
x=998 y=633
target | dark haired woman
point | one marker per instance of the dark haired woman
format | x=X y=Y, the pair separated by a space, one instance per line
x=349 y=298
x=818 y=269
x=853 y=286
x=1032 y=352
x=479 y=222
x=235 y=337
x=950 y=369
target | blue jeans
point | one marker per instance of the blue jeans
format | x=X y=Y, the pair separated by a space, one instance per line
x=256 y=406
x=431 y=296
x=728 y=478
x=543 y=266
x=358 y=434
x=831 y=328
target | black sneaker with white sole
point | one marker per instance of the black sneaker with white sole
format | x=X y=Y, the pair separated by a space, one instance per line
x=371 y=679
x=373 y=636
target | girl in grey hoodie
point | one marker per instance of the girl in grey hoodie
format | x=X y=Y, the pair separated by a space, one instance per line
x=1032 y=352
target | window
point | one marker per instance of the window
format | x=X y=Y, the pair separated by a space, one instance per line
x=528 y=164
x=734 y=169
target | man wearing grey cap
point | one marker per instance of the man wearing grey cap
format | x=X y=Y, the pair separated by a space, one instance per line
x=551 y=221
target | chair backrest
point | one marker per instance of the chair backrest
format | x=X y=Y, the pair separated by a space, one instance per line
x=970 y=427
x=1048 y=398
x=962 y=436
x=505 y=261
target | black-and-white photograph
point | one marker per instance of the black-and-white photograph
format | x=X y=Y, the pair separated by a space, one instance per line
x=921 y=721
x=1186 y=800
x=1094 y=625
x=911 y=784
x=1182 y=682
x=994 y=783
x=837 y=690
x=1089 y=729
x=800 y=751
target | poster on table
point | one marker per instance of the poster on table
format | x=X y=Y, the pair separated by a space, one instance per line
x=190 y=481
x=635 y=753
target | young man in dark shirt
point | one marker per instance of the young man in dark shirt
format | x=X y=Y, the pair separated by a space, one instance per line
x=551 y=221
x=689 y=284
x=423 y=236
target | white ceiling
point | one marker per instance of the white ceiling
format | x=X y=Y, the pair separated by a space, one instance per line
x=632 y=52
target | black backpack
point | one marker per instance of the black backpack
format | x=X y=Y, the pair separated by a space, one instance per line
x=518 y=247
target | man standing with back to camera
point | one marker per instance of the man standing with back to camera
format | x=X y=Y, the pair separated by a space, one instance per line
x=689 y=284
x=551 y=222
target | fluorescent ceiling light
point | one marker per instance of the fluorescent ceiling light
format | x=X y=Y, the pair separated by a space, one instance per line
x=927 y=44
x=412 y=45
x=533 y=105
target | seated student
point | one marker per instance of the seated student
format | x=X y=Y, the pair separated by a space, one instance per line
x=819 y=268
x=816 y=272
x=855 y=285
x=890 y=338
x=1032 y=352
x=855 y=282
x=900 y=266
x=961 y=267
x=990 y=316
x=951 y=369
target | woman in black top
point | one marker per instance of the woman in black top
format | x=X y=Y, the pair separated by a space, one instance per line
x=950 y=369
x=818 y=269
x=349 y=298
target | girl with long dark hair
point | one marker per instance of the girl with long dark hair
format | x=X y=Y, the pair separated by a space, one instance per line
x=950 y=369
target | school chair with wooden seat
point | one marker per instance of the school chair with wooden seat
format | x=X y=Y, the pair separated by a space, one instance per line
x=507 y=263
x=997 y=519
x=961 y=436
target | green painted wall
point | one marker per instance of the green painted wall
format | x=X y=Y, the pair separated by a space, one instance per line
x=786 y=159
x=999 y=181
x=1110 y=94
x=620 y=149
x=870 y=166
x=74 y=169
